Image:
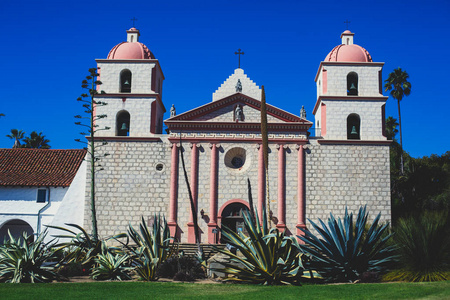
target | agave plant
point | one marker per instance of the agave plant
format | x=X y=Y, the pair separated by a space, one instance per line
x=81 y=247
x=111 y=265
x=151 y=249
x=423 y=247
x=22 y=260
x=346 y=249
x=267 y=256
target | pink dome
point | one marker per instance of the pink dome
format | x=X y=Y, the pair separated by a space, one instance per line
x=351 y=53
x=127 y=50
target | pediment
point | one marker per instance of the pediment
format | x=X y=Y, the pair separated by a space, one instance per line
x=224 y=111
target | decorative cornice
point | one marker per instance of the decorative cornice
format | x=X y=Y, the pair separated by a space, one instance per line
x=346 y=63
x=125 y=96
x=234 y=140
x=353 y=142
x=176 y=126
x=347 y=98
x=140 y=61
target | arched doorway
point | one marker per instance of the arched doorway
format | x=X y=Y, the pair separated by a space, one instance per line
x=16 y=227
x=231 y=216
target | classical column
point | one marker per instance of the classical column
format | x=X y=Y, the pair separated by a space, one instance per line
x=173 y=209
x=281 y=187
x=212 y=225
x=194 y=190
x=261 y=181
x=301 y=220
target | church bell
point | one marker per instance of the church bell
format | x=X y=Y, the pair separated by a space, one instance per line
x=125 y=127
x=354 y=132
x=353 y=90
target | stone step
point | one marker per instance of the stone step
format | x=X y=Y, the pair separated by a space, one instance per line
x=191 y=249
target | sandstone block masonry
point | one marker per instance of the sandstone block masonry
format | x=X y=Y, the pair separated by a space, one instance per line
x=339 y=176
x=132 y=185
x=136 y=178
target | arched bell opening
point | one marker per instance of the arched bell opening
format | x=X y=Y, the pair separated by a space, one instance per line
x=352 y=84
x=123 y=123
x=353 y=127
x=16 y=227
x=125 y=81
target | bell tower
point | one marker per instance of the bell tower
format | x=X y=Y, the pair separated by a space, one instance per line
x=132 y=80
x=350 y=104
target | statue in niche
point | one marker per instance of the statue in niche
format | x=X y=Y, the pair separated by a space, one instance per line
x=173 y=112
x=303 y=112
x=239 y=86
x=238 y=113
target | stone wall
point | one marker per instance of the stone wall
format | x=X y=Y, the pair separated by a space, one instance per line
x=347 y=175
x=130 y=186
x=336 y=176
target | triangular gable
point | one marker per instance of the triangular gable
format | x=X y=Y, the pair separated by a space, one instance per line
x=224 y=111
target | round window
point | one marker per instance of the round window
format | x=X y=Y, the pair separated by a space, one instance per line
x=236 y=159
x=159 y=167
x=237 y=162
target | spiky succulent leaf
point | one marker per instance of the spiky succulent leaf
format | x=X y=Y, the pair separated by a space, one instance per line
x=152 y=247
x=344 y=250
x=266 y=257
x=24 y=260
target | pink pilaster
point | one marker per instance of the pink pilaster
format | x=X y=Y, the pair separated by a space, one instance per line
x=213 y=196
x=281 y=225
x=261 y=181
x=194 y=190
x=173 y=210
x=301 y=220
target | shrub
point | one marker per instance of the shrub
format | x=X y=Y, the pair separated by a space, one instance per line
x=346 y=250
x=176 y=266
x=423 y=248
x=267 y=256
x=22 y=260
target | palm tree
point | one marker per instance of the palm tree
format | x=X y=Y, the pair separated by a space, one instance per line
x=399 y=86
x=17 y=136
x=391 y=130
x=36 y=140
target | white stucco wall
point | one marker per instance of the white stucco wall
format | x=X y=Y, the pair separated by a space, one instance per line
x=19 y=203
x=141 y=76
x=228 y=88
x=138 y=108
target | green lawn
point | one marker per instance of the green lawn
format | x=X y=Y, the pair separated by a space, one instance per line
x=166 y=290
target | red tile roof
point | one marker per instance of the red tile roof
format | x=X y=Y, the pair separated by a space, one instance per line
x=39 y=167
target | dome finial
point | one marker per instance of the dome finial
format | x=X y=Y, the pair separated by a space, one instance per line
x=132 y=35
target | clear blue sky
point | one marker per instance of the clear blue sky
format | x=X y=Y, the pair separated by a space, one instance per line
x=48 y=46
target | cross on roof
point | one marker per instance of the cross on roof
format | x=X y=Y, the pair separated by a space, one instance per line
x=239 y=53
x=347 y=22
x=134 y=19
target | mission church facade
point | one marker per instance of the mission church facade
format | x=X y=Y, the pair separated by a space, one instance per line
x=345 y=164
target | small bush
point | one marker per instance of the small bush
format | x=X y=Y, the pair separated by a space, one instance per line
x=175 y=267
x=423 y=248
